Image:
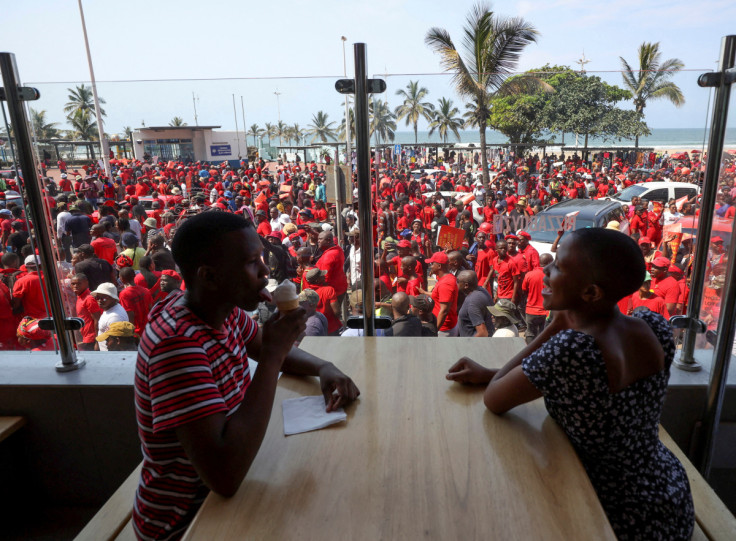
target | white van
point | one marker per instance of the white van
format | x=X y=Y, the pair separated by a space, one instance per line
x=657 y=191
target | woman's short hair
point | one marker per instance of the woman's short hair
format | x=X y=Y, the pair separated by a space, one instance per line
x=615 y=261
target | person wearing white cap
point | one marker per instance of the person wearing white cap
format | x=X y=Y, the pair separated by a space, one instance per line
x=106 y=296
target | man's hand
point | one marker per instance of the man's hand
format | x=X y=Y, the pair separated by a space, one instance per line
x=467 y=370
x=338 y=389
x=281 y=331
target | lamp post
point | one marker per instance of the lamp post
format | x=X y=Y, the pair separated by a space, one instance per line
x=100 y=128
x=278 y=110
x=348 y=152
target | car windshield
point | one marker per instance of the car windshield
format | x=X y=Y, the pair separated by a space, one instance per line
x=544 y=227
x=632 y=191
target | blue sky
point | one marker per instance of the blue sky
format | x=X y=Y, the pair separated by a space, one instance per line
x=187 y=39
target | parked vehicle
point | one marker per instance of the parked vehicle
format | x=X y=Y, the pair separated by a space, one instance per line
x=544 y=226
x=657 y=191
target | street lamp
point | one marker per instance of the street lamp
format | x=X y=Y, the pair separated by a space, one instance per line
x=278 y=109
x=348 y=157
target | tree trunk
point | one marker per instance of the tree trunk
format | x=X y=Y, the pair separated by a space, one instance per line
x=483 y=157
x=416 y=137
x=585 y=150
x=636 y=141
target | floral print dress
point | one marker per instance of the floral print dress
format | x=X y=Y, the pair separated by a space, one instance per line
x=642 y=486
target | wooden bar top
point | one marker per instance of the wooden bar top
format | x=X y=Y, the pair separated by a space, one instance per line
x=419 y=457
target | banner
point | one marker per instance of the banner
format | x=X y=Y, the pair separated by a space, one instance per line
x=449 y=237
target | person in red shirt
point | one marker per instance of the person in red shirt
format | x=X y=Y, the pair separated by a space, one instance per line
x=665 y=286
x=88 y=309
x=27 y=291
x=531 y=255
x=512 y=242
x=409 y=282
x=264 y=227
x=104 y=247
x=676 y=273
x=646 y=297
x=507 y=274
x=32 y=337
x=8 y=321
x=332 y=260
x=328 y=302
x=639 y=223
x=444 y=294
x=135 y=300
x=532 y=285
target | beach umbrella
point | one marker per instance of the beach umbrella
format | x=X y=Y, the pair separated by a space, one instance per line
x=694 y=152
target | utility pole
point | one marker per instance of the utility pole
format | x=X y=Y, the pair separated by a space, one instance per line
x=348 y=150
x=582 y=63
x=100 y=128
x=278 y=109
x=194 y=102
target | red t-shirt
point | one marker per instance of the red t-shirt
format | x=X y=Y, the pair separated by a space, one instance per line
x=178 y=382
x=105 y=248
x=138 y=300
x=264 y=228
x=531 y=256
x=28 y=288
x=655 y=303
x=327 y=296
x=532 y=284
x=506 y=270
x=333 y=260
x=668 y=289
x=445 y=290
x=86 y=306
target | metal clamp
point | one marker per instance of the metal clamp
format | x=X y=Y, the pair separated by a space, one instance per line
x=70 y=324
x=25 y=93
x=717 y=78
x=691 y=324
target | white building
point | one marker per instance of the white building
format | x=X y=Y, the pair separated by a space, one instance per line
x=197 y=143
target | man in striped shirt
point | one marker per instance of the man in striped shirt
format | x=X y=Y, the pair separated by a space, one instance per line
x=199 y=428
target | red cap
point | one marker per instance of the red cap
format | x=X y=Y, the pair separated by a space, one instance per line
x=277 y=234
x=645 y=240
x=716 y=239
x=403 y=244
x=525 y=235
x=511 y=236
x=173 y=274
x=661 y=262
x=674 y=269
x=439 y=257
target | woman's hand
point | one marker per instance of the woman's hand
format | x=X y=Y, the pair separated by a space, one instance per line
x=467 y=370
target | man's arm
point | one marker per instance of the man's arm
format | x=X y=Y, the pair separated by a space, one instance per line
x=301 y=363
x=222 y=449
x=481 y=331
x=517 y=287
x=444 y=310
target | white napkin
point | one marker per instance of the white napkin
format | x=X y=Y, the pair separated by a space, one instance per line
x=308 y=413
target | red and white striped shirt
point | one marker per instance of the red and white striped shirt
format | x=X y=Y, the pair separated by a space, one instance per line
x=185 y=371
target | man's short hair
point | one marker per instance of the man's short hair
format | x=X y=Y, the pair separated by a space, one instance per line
x=196 y=240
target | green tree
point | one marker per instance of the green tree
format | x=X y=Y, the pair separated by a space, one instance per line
x=652 y=80
x=280 y=130
x=84 y=128
x=381 y=121
x=128 y=131
x=341 y=129
x=255 y=131
x=42 y=129
x=270 y=132
x=586 y=105
x=297 y=133
x=320 y=128
x=81 y=99
x=492 y=46
x=518 y=117
x=413 y=108
x=177 y=121
x=446 y=119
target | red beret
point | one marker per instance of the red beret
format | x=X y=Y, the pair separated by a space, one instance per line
x=661 y=262
x=171 y=273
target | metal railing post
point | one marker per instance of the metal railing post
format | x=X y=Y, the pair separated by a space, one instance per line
x=362 y=147
x=32 y=191
x=704 y=445
x=707 y=207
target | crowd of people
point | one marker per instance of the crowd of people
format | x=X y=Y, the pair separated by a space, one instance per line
x=113 y=237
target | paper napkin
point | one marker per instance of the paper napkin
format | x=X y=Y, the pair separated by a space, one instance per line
x=308 y=413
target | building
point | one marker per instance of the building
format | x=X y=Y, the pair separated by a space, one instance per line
x=196 y=143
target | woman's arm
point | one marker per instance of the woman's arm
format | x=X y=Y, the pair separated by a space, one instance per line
x=510 y=387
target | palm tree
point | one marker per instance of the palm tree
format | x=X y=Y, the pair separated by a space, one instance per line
x=445 y=119
x=128 y=131
x=320 y=128
x=413 y=108
x=255 y=131
x=341 y=128
x=381 y=120
x=280 y=130
x=492 y=47
x=270 y=132
x=297 y=133
x=288 y=134
x=84 y=128
x=177 y=122
x=41 y=128
x=81 y=99
x=651 y=80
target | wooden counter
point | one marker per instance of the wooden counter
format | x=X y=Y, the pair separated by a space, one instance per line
x=419 y=457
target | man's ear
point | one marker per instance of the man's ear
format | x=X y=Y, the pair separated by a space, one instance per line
x=207 y=277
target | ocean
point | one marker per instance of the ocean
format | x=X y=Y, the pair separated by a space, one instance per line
x=679 y=138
